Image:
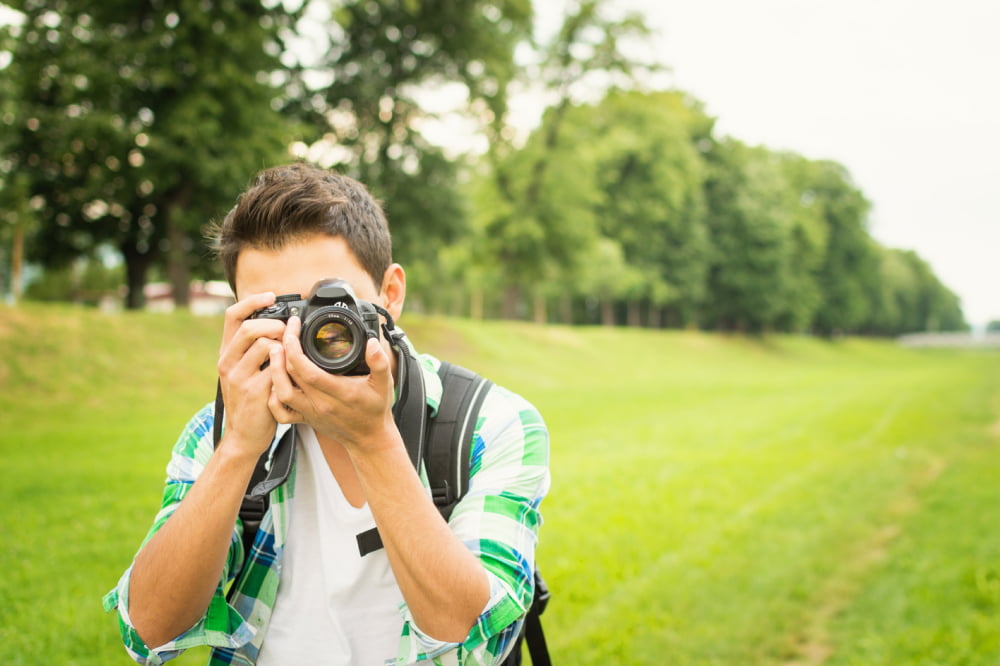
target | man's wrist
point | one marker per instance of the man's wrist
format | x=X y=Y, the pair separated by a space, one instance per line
x=236 y=450
x=379 y=450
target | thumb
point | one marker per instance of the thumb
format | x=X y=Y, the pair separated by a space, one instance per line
x=377 y=360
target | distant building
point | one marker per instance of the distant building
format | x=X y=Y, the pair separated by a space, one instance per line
x=990 y=339
x=206 y=297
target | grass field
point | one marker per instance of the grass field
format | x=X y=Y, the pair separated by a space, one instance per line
x=716 y=500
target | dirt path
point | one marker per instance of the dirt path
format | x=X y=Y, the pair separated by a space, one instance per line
x=812 y=644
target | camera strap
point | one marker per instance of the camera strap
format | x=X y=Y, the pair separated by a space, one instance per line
x=410 y=408
x=409 y=412
x=265 y=477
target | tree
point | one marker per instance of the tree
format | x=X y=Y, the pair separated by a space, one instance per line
x=850 y=267
x=927 y=305
x=136 y=123
x=524 y=232
x=382 y=58
x=894 y=303
x=650 y=173
x=15 y=212
x=17 y=216
x=541 y=251
x=750 y=224
x=808 y=244
x=910 y=298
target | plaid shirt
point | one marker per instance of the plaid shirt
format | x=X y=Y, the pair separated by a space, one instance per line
x=497 y=520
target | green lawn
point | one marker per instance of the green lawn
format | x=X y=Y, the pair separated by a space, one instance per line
x=716 y=500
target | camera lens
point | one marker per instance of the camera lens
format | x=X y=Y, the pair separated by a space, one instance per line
x=333 y=340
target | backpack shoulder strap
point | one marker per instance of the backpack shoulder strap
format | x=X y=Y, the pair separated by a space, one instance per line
x=447 y=461
x=449 y=434
x=442 y=442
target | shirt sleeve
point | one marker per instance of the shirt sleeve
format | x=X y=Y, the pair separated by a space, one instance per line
x=498 y=520
x=221 y=625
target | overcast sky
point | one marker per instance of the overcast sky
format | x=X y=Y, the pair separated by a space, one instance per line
x=904 y=93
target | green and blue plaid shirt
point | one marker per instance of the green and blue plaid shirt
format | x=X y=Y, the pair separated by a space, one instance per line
x=498 y=521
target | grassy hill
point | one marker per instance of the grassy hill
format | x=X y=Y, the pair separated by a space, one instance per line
x=716 y=500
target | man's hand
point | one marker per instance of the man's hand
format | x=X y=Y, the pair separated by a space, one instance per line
x=353 y=410
x=444 y=584
x=177 y=571
x=246 y=387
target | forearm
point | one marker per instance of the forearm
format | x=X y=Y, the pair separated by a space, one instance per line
x=443 y=583
x=176 y=573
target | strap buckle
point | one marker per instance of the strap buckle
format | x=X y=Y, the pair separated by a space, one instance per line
x=442 y=494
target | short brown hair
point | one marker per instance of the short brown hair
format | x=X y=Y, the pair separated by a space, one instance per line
x=288 y=203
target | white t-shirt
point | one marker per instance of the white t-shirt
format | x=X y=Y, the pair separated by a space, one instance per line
x=333 y=606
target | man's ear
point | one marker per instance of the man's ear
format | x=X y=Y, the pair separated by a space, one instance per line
x=394 y=290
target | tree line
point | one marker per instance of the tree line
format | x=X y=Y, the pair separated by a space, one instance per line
x=131 y=126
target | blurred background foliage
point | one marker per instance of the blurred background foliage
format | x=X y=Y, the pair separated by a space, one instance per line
x=127 y=127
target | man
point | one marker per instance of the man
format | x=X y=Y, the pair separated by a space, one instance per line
x=453 y=592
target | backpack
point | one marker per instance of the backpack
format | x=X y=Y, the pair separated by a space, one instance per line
x=442 y=442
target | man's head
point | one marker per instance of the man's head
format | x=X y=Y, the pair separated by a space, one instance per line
x=287 y=204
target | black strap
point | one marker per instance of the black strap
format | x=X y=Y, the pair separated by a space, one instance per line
x=253 y=508
x=369 y=541
x=263 y=480
x=442 y=442
x=410 y=411
x=410 y=414
x=281 y=465
x=449 y=436
x=531 y=630
x=218 y=416
x=535 y=639
x=533 y=633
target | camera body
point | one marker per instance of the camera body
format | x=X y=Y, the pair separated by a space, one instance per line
x=336 y=325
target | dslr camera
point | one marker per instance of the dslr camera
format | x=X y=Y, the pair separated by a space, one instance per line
x=336 y=325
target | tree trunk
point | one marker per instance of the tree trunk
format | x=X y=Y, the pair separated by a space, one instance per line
x=566 y=309
x=511 y=301
x=136 y=265
x=634 y=319
x=608 y=312
x=655 y=316
x=178 y=266
x=476 y=304
x=17 y=264
x=541 y=309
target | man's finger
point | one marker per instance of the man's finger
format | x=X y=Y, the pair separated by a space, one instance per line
x=240 y=311
x=244 y=339
x=376 y=358
x=281 y=412
x=297 y=364
x=284 y=389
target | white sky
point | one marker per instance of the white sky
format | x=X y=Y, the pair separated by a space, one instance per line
x=904 y=93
